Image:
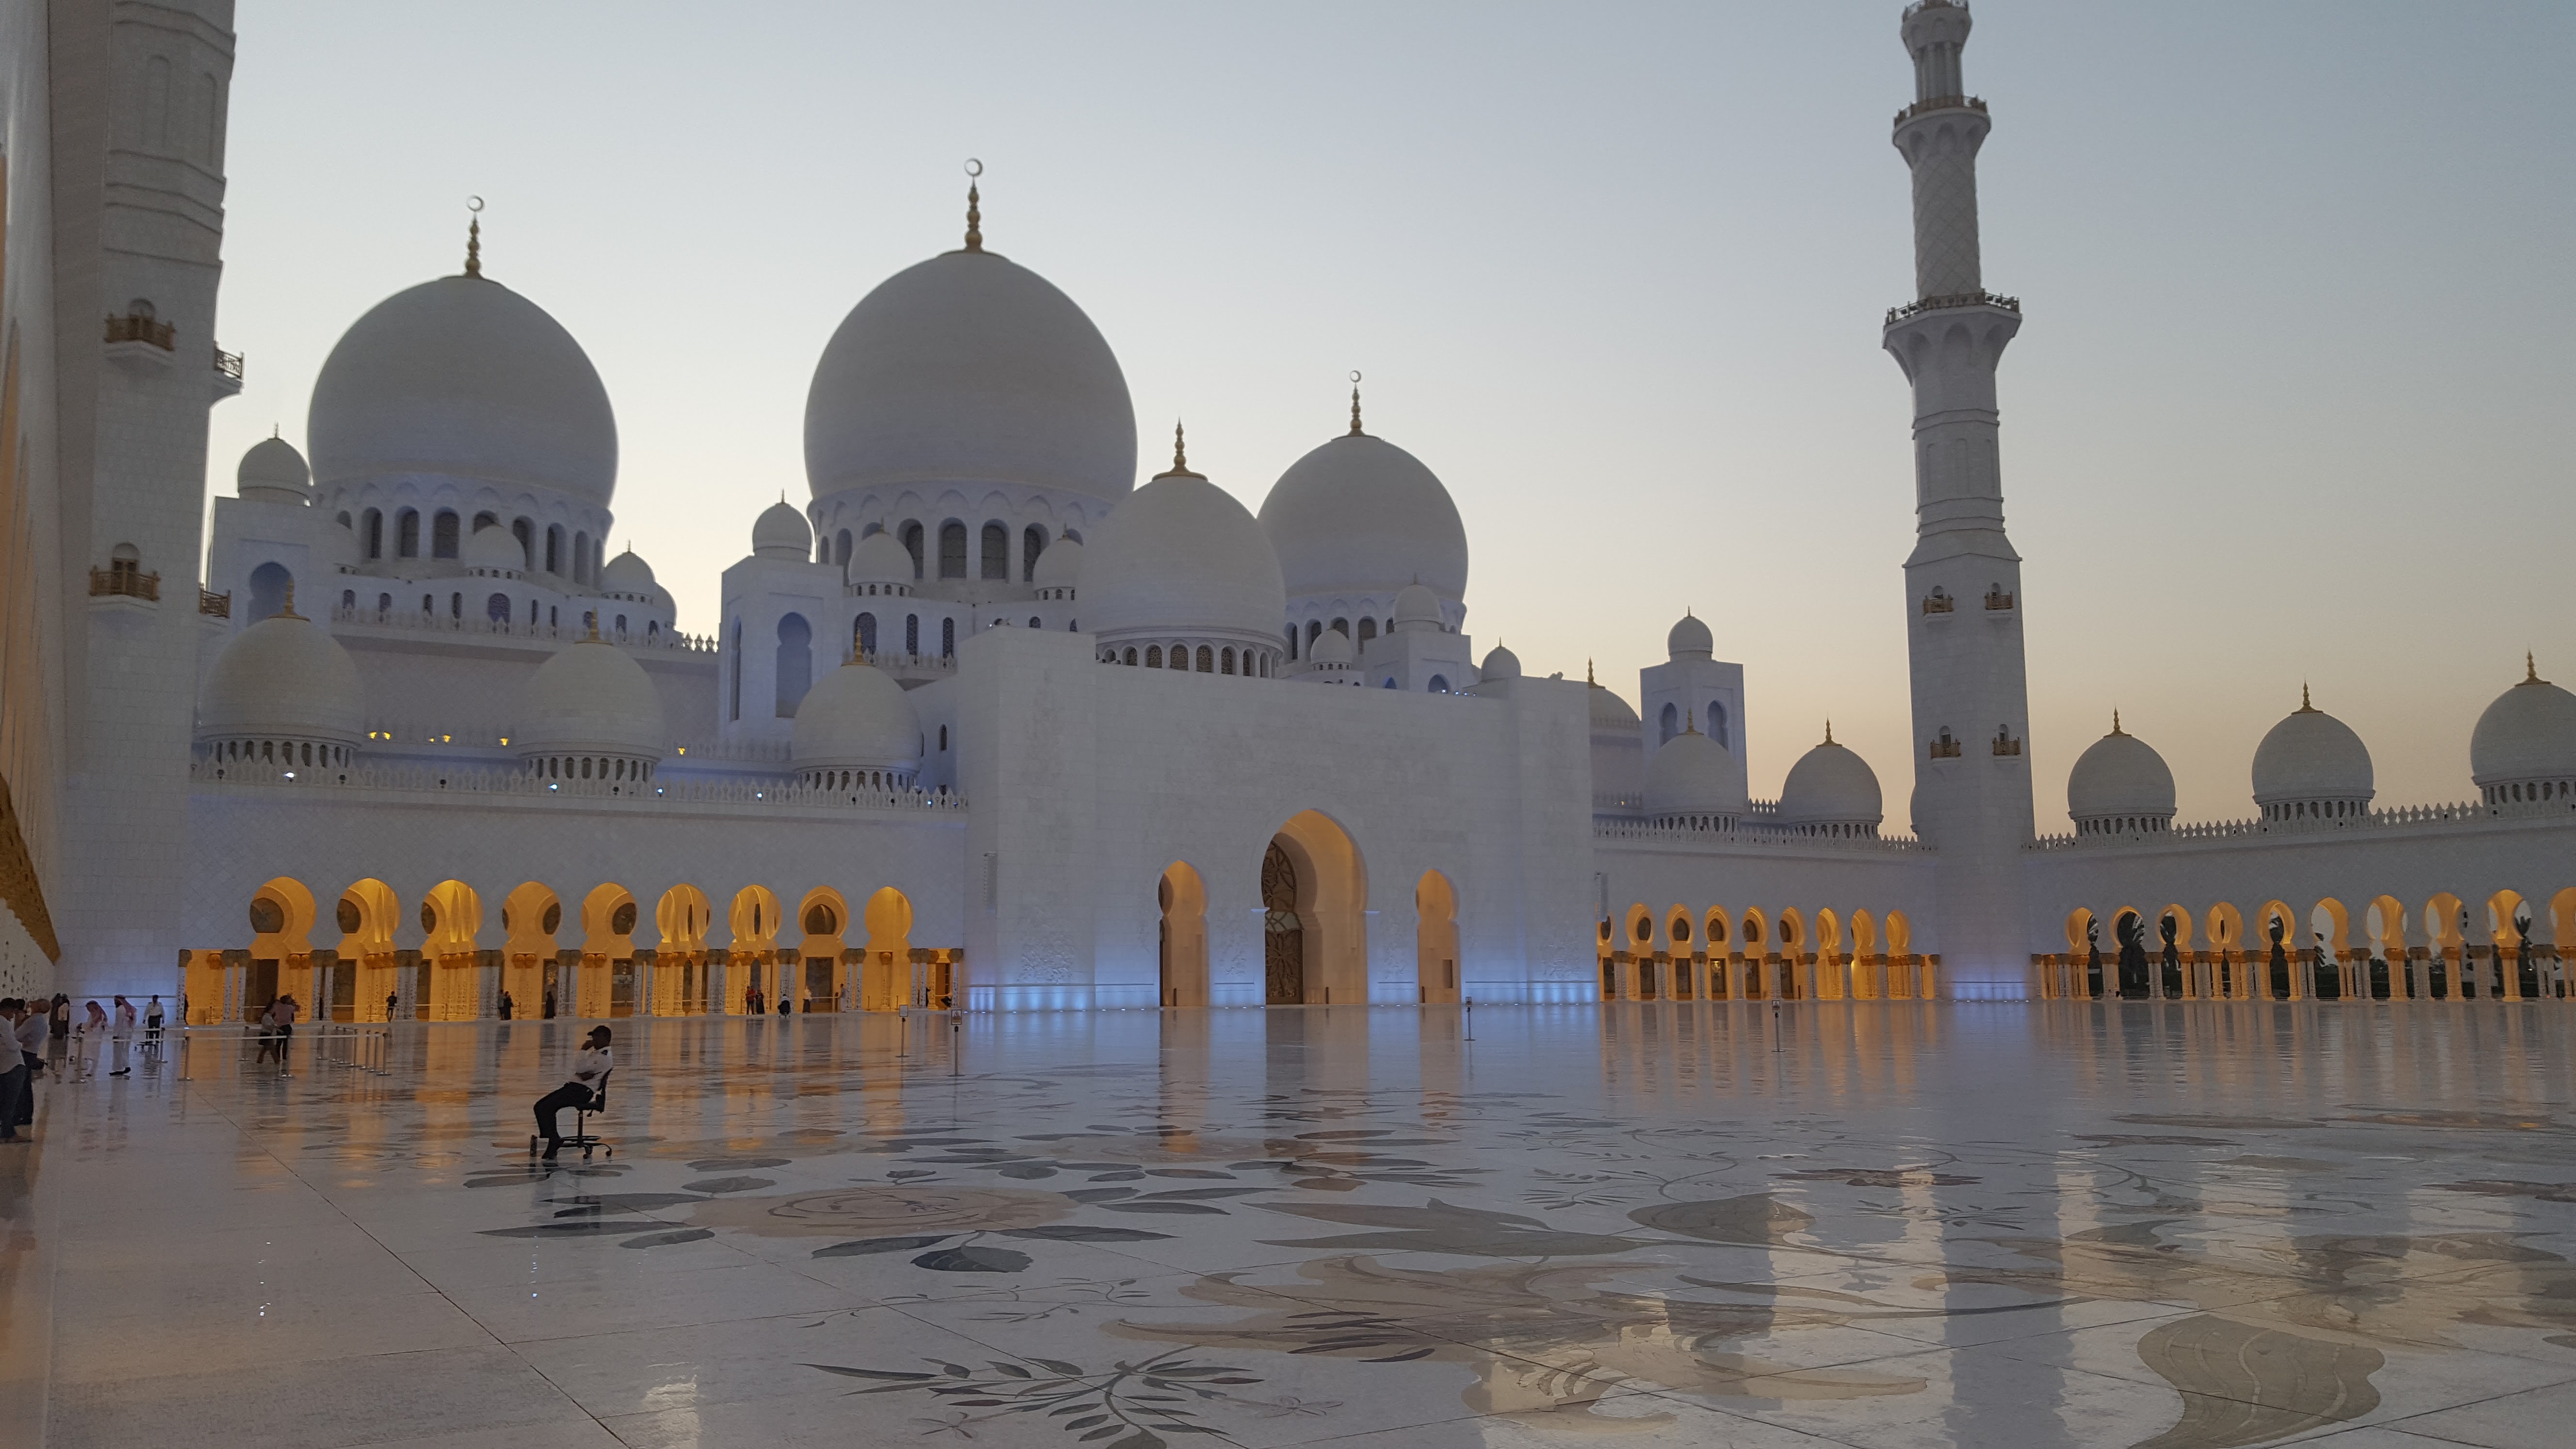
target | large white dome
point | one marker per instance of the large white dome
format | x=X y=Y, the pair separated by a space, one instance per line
x=1361 y=515
x=856 y=718
x=285 y=678
x=1692 y=775
x=2526 y=738
x=629 y=575
x=1610 y=714
x=590 y=699
x=463 y=378
x=969 y=368
x=1181 y=556
x=1830 y=785
x=2311 y=757
x=1690 y=639
x=2117 y=777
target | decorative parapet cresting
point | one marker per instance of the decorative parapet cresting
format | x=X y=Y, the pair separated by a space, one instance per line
x=2465 y=816
x=430 y=780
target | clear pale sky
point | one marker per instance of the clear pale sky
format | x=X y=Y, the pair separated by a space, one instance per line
x=2296 y=280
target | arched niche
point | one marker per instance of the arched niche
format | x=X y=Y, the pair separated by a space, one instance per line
x=1313 y=870
x=1182 y=943
x=1436 y=962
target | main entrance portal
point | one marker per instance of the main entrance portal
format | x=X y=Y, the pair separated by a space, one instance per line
x=1283 y=935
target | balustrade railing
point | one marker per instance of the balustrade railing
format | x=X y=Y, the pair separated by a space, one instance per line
x=2466 y=815
x=522 y=784
x=1952 y=300
x=135 y=327
x=124 y=582
x=365 y=617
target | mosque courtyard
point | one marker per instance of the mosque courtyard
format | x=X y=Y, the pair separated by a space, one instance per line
x=1872 y=1224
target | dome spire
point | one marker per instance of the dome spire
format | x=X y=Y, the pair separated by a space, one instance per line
x=1355 y=405
x=286 y=610
x=2115 y=719
x=2304 y=706
x=1180 y=456
x=474 y=237
x=974 y=210
x=2531 y=669
x=1829 y=732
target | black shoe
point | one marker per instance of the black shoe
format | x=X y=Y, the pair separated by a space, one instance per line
x=122 y=1072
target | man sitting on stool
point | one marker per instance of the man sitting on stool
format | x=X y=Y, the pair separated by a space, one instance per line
x=589 y=1068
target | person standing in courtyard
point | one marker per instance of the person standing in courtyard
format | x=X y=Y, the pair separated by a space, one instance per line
x=281 y=1019
x=93 y=1030
x=590 y=1068
x=152 y=1018
x=14 y=1079
x=29 y=1047
x=120 y=1032
x=59 y=1022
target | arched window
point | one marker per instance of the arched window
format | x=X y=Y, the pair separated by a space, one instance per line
x=952 y=550
x=912 y=545
x=1153 y=659
x=554 y=548
x=947 y=638
x=912 y=634
x=863 y=635
x=1153 y=656
x=525 y=531
x=442 y=534
x=407 y=533
x=581 y=558
x=736 y=702
x=1717 y=723
x=270 y=584
x=1207 y=660
x=384 y=606
x=1341 y=627
x=943 y=739
x=841 y=548
x=349 y=601
x=795 y=663
x=485 y=519
x=1225 y=661
x=1440 y=684
x=1671 y=723
x=1292 y=641
x=621 y=623
x=1314 y=627
x=997 y=552
x=372 y=529
x=456 y=606
x=1033 y=541
x=497 y=608
x=1368 y=630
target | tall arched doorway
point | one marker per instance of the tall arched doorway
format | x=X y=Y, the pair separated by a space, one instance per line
x=1182 y=947
x=1314 y=890
x=885 y=977
x=1283 y=934
x=1435 y=937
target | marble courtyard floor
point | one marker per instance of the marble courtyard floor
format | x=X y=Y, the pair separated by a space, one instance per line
x=1875 y=1224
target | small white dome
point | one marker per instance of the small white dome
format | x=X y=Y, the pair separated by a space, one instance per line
x=335 y=545
x=463 y=378
x=969 y=368
x=1500 y=663
x=1416 y=608
x=495 y=547
x=856 y=718
x=627 y=573
x=1610 y=713
x=1690 y=640
x=1332 y=647
x=284 y=677
x=2119 y=775
x=782 y=532
x=590 y=699
x=2311 y=756
x=273 y=472
x=1830 y=785
x=1692 y=774
x=1361 y=515
x=881 y=558
x=1181 y=556
x=1059 y=565
x=2527 y=736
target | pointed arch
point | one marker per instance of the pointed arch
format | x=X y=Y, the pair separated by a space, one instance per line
x=885 y=980
x=1436 y=964
x=1329 y=887
x=682 y=918
x=451 y=928
x=825 y=917
x=1182 y=944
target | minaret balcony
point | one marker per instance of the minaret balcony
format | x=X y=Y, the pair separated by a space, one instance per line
x=1952 y=302
x=1940 y=103
x=228 y=374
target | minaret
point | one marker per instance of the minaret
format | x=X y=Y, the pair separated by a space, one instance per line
x=1972 y=797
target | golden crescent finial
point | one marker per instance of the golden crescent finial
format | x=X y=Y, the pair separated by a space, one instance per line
x=974 y=206
x=1355 y=404
x=474 y=237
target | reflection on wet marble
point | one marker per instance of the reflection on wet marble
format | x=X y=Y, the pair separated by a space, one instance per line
x=2163 y=1225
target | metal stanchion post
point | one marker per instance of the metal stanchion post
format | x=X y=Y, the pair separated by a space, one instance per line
x=1471 y=1018
x=903 y=1033
x=956 y=1041
x=1775 y=1026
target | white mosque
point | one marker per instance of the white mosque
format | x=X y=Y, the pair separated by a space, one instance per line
x=986 y=722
